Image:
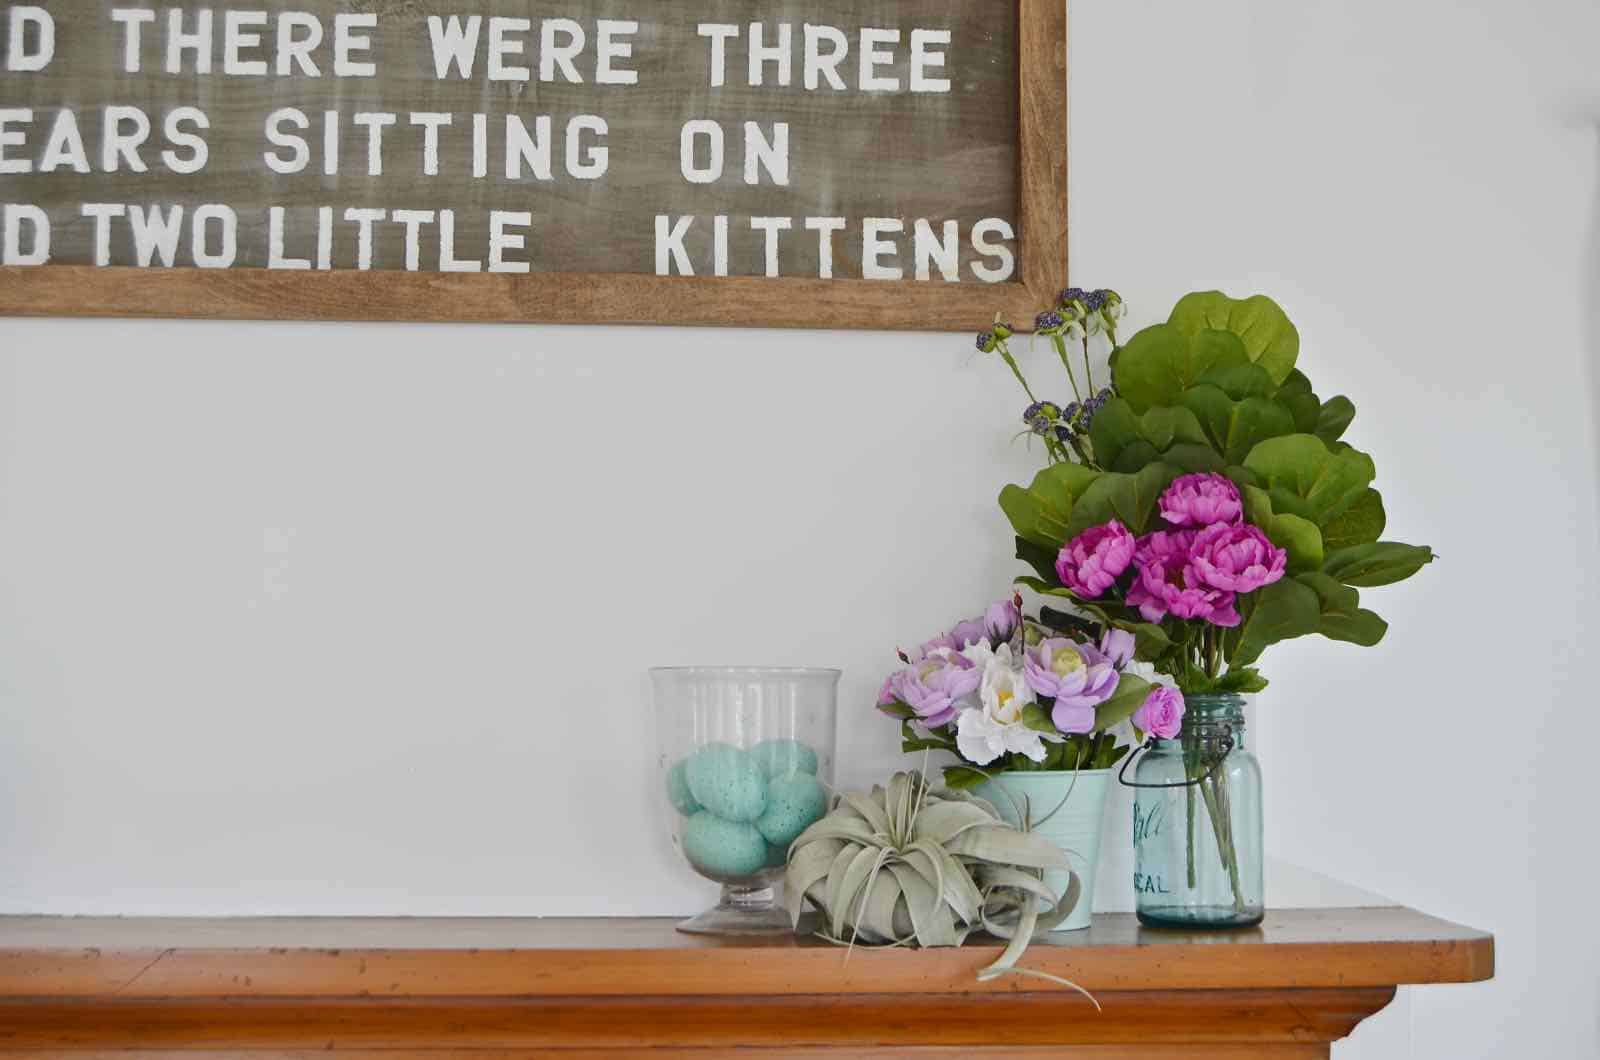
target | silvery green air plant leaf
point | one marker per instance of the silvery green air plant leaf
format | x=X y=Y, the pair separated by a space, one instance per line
x=908 y=865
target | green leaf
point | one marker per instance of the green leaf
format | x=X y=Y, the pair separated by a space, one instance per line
x=1037 y=718
x=1244 y=681
x=1125 y=441
x=1301 y=468
x=1212 y=409
x=1038 y=557
x=1045 y=588
x=897 y=709
x=1109 y=754
x=1297 y=384
x=1364 y=628
x=1130 y=499
x=1333 y=419
x=1261 y=325
x=1343 y=618
x=1379 y=563
x=1130 y=695
x=1234 y=428
x=1191 y=458
x=1041 y=512
x=1150 y=642
x=1302 y=402
x=1360 y=524
x=1281 y=611
x=1062 y=622
x=963 y=778
x=1034 y=520
x=1240 y=381
x=911 y=740
x=1161 y=362
x=1304 y=409
x=1295 y=535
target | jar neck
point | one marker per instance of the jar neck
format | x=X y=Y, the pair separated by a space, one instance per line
x=1209 y=720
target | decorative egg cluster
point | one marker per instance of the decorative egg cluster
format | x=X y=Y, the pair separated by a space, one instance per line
x=744 y=808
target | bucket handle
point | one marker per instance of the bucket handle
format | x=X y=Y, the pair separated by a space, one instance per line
x=1227 y=748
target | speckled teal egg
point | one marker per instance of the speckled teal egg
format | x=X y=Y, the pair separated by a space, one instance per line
x=728 y=782
x=678 y=789
x=777 y=857
x=794 y=803
x=723 y=848
x=779 y=758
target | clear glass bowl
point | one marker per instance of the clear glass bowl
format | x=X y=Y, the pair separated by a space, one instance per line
x=745 y=756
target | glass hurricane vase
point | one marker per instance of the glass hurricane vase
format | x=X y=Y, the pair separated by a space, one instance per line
x=746 y=757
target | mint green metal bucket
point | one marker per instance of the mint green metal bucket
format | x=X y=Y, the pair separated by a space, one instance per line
x=1075 y=827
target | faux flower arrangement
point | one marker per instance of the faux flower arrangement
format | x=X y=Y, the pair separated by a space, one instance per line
x=1200 y=508
x=1207 y=504
x=1014 y=692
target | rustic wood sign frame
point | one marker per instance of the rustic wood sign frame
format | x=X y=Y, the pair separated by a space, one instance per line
x=623 y=298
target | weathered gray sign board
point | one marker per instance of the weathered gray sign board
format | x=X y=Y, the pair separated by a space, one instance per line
x=711 y=162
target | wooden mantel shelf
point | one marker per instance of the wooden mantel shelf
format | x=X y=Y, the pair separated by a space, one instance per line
x=608 y=987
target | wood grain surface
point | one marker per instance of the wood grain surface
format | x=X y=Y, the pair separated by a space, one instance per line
x=623 y=987
x=1299 y=949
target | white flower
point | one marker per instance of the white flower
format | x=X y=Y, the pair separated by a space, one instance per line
x=1004 y=691
x=997 y=729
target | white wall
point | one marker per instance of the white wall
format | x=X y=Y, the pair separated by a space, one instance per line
x=354 y=619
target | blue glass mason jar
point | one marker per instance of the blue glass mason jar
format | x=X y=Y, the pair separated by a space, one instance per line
x=1197 y=822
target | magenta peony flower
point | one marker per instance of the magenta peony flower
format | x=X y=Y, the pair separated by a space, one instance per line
x=1240 y=559
x=1001 y=620
x=934 y=687
x=1079 y=677
x=1167 y=583
x=1118 y=644
x=1161 y=714
x=1201 y=500
x=1092 y=562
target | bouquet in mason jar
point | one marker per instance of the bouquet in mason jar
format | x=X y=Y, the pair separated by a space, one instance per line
x=1204 y=503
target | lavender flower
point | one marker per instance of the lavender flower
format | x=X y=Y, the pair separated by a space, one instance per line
x=969 y=632
x=1079 y=677
x=1049 y=320
x=1118 y=646
x=1161 y=714
x=935 y=688
x=986 y=341
x=1002 y=618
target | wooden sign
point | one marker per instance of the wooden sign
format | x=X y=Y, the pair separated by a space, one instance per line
x=887 y=164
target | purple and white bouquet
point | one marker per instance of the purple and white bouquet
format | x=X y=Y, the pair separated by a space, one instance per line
x=1007 y=691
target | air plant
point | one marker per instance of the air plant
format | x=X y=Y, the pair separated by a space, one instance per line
x=908 y=865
